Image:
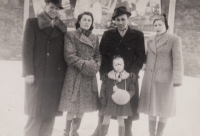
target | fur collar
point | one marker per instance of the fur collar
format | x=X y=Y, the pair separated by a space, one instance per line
x=44 y=21
x=115 y=76
x=91 y=40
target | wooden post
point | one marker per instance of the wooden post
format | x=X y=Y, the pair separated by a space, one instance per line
x=26 y=12
x=171 y=16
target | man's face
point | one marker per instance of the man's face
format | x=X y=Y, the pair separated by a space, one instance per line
x=121 y=22
x=52 y=10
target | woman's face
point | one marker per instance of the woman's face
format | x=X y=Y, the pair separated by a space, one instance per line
x=159 y=27
x=85 y=22
x=118 y=65
x=52 y=10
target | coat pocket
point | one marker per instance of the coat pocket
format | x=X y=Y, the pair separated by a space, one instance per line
x=163 y=76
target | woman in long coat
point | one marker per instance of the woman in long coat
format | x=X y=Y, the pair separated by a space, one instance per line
x=164 y=71
x=80 y=91
x=44 y=69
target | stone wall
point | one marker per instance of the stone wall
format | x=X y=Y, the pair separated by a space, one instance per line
x=187 y=26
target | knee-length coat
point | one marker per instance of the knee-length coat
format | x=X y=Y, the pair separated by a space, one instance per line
x=109 y=107
x=42 y=56
x=164 y=68
x=131 y=48
x=80 y=91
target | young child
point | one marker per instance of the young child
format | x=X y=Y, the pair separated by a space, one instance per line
x=116 y=81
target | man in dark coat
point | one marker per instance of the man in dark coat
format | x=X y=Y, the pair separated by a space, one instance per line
x=44 y=69
x=129 y=44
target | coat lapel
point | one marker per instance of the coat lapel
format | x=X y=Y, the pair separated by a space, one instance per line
x=55 y=33
x=52 y=32
x=152 y=44
x=162 y=40
x=129 y=35
x=85 y=40
x=115 y=35
x=47 y=31
x=90 y=41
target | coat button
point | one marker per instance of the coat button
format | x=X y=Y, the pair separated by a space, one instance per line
x=48 y=41
x=47 y=54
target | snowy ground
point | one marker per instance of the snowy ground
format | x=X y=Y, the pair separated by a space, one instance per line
x=12 y=118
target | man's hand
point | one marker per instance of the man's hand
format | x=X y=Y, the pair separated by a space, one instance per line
x=29 y=79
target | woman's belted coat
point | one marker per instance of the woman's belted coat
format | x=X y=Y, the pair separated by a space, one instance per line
x=164 y=68
x=80 y=91
x=43 y=57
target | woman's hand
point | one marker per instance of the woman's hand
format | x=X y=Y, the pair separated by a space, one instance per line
x=90 y=67
x=29 y=79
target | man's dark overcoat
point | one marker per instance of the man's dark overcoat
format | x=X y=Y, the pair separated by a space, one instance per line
x=42 y=56
x=131 y=48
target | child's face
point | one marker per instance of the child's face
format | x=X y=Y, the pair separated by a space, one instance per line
x=118 y=64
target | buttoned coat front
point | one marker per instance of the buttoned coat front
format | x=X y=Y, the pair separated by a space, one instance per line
x=131 y=48
x=164 y=68
x=80 y=91
x=42 y=56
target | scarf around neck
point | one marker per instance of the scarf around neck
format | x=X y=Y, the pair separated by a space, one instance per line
x=86 y=32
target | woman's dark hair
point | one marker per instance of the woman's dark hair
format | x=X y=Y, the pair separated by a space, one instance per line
x=79 y=19
x=164 y=19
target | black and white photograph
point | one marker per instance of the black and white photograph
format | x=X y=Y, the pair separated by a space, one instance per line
x=99 y=67
x=142 y=11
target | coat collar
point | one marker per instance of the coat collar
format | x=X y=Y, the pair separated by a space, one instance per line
x=129 y=30
x=90 y=40
x=129 y=35
x=163 y=39
x=44 y=21
x=153 y=45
